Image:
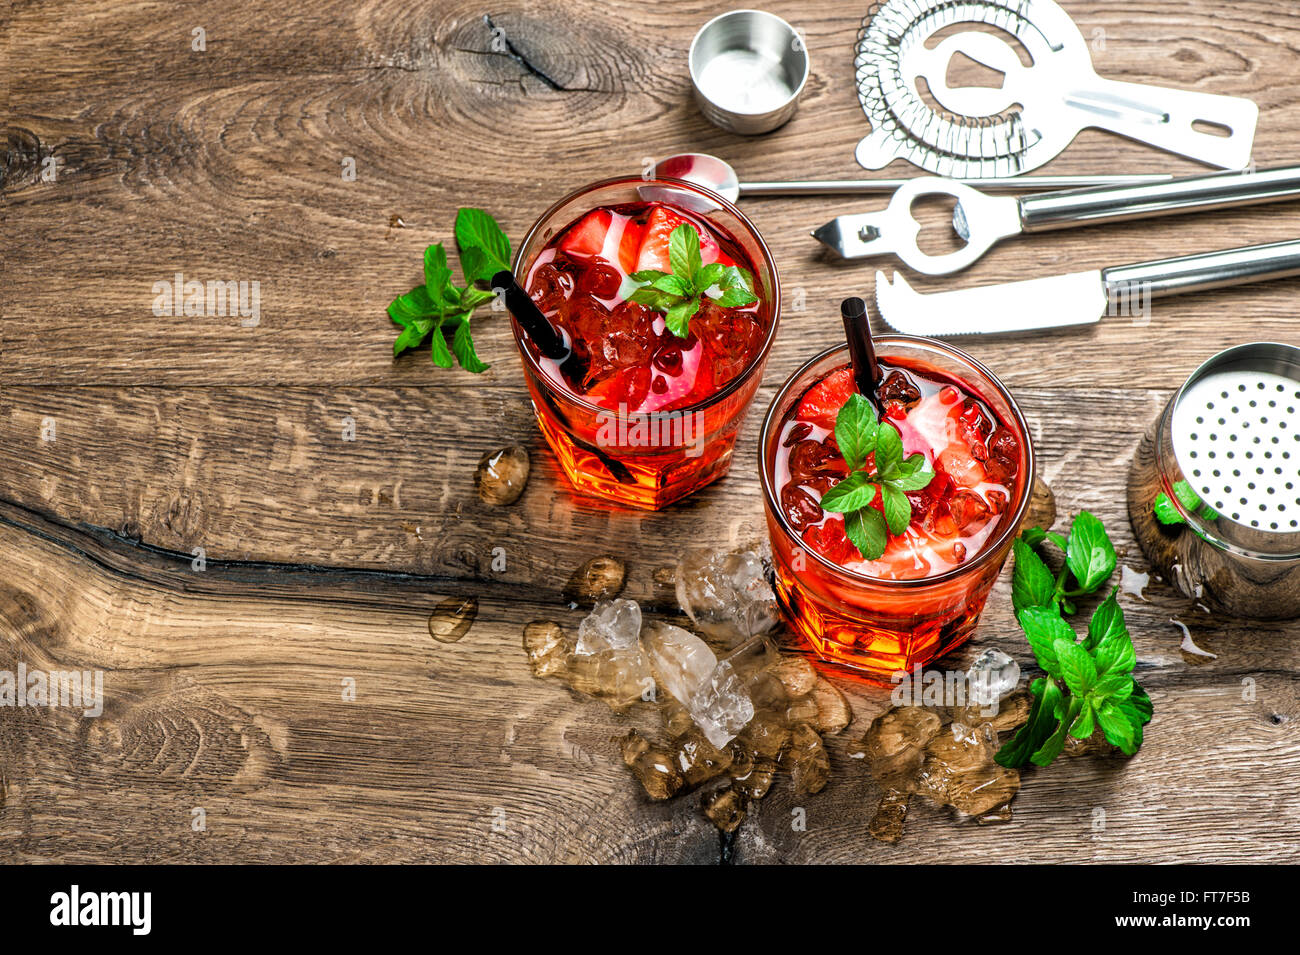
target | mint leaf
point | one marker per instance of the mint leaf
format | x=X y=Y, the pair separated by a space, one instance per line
x=735 y=297
x=914 y=473
x=415 y=304
x=462 y=346
x=1044 y=628
x=855 y=431
x=1137 y=711
x=1191 y=501
x=1042 y=721
x=1118 y=729
x=673 y=285
x=1032 y=583
x=476 y=230
x=1115 y=687
x=733 y=276
x=442 y=356
x=1089 y=554
x=898 y=509
x=437 y=275
x=1115 y=654
x=1139 y=705
x=853 y=493
x=653 y=298
x=866 y=529
x=709 y=276
x=1186 y=496
x=1077 y=669
x=1108 y=638
x=1055 y=743
x=428 y=308
x=472 y=298
x=1084 y=724
x=1033 y=536
x=678 y=293
x=889 y=450
x=1107 y=620
x=678 y=317
x=684 y=251
x=412 y=335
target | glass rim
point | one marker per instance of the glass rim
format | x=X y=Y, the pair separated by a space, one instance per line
x=1012 y=527
x=730 y=387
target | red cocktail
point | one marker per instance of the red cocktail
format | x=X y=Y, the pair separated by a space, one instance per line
x=919 y=592
x=668 y=300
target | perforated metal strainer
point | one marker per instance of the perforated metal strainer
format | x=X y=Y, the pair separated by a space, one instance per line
x=1231 y=435
x=1235 y=432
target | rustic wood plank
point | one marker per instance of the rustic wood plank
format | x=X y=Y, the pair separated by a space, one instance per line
x=223 y=691
x=325 y=556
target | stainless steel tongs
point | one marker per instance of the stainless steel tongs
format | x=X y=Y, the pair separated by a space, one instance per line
x=983 y=220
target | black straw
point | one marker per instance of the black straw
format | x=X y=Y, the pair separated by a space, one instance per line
x=862 y=353
x=536 y=324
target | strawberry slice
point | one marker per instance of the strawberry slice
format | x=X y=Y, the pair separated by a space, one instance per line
x=587 y=238
x=625 y=390
x=825 y=399
x=629 y=245
x=654 y=246
x=829 y=540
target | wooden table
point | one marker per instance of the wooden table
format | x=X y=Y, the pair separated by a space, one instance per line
x=135 y=448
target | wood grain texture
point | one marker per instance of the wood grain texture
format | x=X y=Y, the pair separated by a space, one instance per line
x=325 y=556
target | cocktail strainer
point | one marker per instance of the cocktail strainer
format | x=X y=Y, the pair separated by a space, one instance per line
x=1226 y=454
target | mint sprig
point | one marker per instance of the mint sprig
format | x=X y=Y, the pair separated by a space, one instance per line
x=859 y=436
x=678 y=293
x=1089 y=562
x=1167 y=513
x=439 y=306
x=1089 y=683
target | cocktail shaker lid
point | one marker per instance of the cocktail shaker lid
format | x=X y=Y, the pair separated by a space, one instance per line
x=1234 y=429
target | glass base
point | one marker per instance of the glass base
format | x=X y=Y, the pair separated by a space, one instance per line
x=872 y=647
x=646 y=482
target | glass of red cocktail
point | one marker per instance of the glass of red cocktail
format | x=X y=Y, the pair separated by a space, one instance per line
x=649 y=409
x=923 y=595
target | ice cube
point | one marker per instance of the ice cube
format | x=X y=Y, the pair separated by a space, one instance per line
x=727 y=596
x=810 y=767
x=619 y=677
x=722 y=707
x=682 y=662
x=611 y=625
x=895 y=745
x=960 y=772
x=992 y=676
x=725 y=808
x=502 y=475
x=546 y=646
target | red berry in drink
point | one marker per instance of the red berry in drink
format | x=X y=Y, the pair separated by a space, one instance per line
x=824 y=400
x=587 y=238
x=829 y=540
x=801 y=508
x=659 y=225
x=601 y=281
x=968 y=508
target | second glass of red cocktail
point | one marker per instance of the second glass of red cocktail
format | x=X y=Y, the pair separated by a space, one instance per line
x=667 y=299
x=933 y=561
